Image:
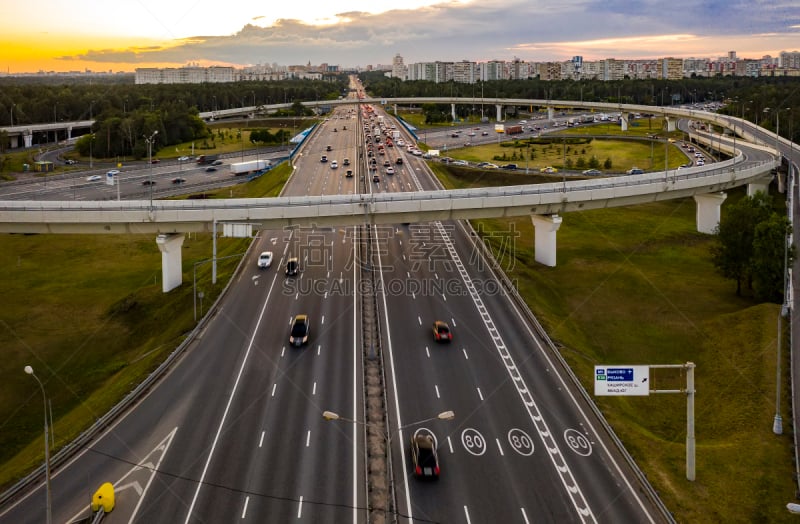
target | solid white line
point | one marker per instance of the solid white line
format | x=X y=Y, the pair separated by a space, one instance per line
x=300 y=507
x=355 y=388
x=465 y=353
x=409 y=508
x=308 y=438
x=479 y=393
x=273 y=389
x=228 y=406
x=466 y=514
x=525 y=516
x=500 y=447
x=261 y=440
x=244 y=510
x=437 y=391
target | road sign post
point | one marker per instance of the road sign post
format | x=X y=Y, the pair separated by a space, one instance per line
x=635 y=381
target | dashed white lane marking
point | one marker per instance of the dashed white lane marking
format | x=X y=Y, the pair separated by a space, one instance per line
x=273 y=389
x=300 y=507
x=500 y=447
x=261 y=440
x=244 y=510
x=465 y=353
x=437 y=391
x=479 y=393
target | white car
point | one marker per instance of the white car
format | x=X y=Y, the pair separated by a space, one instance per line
x=94 y=178
x=390 y=170
x=265 y=259
x=334 y=164
x=183 y=158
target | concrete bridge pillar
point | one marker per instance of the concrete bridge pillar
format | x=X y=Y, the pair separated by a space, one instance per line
x=623 y=120
x=27 y=139
x=499 y=108
x=453 y=111
x=551 y=113
x=545 y=227
x=708 y=211
x=762 y=184
x=394 y=106
x=755 y=187
x=671 y=123
x=171 y=270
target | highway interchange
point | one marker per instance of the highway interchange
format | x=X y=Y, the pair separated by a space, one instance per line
x=235 y=433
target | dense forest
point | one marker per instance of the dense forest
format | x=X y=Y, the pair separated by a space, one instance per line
x=125 y=112
x=752 y=98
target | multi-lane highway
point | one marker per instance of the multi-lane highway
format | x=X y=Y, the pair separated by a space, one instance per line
x=235 y=433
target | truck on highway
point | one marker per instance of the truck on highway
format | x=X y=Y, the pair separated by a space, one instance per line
x=206 y=159
x=499 y=128
x=513 y=130
x=395 y=135
x=252 y=166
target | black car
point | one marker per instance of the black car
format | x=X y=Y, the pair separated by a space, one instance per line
x=148 y=182
x=399 y=161
x=292 y=267
x=509 y=166
x=300 y=328
x=178 y=180
x=423 y=455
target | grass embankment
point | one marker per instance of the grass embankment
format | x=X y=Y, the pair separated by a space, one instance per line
x=574 y=148
x=635 y=285
x=87 y=312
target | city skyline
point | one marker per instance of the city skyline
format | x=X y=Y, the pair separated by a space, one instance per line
x=54 y=35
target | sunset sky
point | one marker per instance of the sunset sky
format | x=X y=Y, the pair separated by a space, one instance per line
x=120 y=35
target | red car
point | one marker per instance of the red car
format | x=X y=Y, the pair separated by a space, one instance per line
x=441 y=332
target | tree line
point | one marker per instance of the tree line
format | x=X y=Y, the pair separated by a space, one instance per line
x=125 y=112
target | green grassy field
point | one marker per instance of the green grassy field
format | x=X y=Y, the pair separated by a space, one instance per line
x=87 y=312
x=635 y=285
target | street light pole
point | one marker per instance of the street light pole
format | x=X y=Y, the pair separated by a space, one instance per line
x=150 y=160
x=29 y=371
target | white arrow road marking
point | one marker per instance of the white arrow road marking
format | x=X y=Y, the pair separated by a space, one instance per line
x=158 y=452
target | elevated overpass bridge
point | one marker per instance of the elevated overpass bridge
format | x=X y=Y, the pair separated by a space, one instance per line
x=170 y=220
